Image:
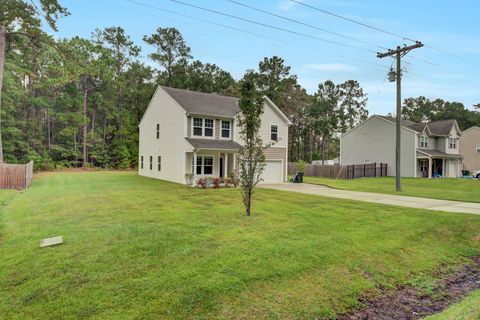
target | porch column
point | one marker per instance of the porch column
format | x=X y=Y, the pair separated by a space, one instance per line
x=443 y=168
x=194 y=165
x=234 y=163
x=225 y=165
x=429 y=167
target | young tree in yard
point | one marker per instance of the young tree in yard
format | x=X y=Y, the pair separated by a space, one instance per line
x=21 y=18
x=251 y=160
x=171 y=50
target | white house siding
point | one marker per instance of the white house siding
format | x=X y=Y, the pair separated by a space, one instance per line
x=279 y=149
x=171 y=146
x=453 y=134
x=374 y=140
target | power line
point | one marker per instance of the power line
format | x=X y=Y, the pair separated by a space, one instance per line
x=354 y=21
x=205 y=21
x=306 y=24
x=384 y=31
x=270 y=26
x=292 y=45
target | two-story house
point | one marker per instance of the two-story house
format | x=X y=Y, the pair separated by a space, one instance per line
x=470 y=149
x=427 y=149
x=186 y=132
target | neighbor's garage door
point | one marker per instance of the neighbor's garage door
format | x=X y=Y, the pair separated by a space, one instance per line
x=273 y=172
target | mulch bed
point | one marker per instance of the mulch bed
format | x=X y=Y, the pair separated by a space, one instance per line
x=410 y=303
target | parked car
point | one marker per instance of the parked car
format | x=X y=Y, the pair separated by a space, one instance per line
x=476 y=174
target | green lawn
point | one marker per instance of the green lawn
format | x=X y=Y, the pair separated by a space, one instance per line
x=445 y=189
x=467 y=309
x=139 y=248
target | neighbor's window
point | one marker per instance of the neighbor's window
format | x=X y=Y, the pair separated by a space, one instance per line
x=274 y=132
x=208 y=132
x=478 y=148
x=151 y=162
x=159 y=163
x=423 y=142
x=197 y=126
x=225 y=129
x=452 y=142
x=141 y=162
x=207 y=165
x=158 y=130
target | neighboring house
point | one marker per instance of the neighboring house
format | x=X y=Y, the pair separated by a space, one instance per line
x=427 y=149
x=470 y=149
x=186 y=132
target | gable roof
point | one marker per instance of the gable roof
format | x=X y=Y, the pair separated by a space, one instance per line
x=204 y=103
x=436 y=128
x=474 y=127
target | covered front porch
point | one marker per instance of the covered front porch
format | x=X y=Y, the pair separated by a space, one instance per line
x=211 y=158
x=436 y=164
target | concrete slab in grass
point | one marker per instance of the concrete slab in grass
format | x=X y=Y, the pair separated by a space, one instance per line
x=48 y=242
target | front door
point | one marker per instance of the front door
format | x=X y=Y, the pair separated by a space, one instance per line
x=221 y=168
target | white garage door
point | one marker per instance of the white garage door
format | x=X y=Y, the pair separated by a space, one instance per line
x=273 y=172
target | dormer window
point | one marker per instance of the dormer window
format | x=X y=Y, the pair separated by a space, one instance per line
x=423 y=141
x=226 y=129
x=452 y=143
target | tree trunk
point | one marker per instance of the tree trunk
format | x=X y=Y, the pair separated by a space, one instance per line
x=323 y=149
x=84 y=131
x=2 y=65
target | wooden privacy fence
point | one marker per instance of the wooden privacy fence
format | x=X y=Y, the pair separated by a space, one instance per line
x=342 y=171
x=15 y=176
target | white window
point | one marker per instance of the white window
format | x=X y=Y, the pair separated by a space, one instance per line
x=226 y=129
x=208 y=130
x=274 y=132
x=141 y=162
x=423 y=165
x=478 y=148
x=158 y=130
x=204 y=165
x=151 y=162
x=452 y=143
x=159 y=163
x=203 y=127
x=197 y=126
x=423 y=142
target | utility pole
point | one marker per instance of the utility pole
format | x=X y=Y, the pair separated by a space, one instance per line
x=398 y=53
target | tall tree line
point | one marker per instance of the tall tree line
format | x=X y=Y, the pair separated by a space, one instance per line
x=77 y=102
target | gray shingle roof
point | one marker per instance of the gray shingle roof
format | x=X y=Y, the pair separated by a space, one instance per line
x=437 y=128
x=213 y=144
x=442 y=127
x=204 y=103
x=439 y=154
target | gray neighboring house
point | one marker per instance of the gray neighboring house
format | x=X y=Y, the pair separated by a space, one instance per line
x=470 y=149
x=427 y=149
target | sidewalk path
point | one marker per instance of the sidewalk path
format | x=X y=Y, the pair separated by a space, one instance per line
x=404 y=201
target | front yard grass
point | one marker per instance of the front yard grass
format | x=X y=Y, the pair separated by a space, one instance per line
x=444 y=189
x=139 y=248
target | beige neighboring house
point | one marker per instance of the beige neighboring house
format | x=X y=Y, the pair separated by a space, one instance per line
x=470 y=149
x=427 y=149
x=186 y=132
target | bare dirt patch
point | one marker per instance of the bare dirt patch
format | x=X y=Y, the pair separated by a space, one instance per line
x=411 y=303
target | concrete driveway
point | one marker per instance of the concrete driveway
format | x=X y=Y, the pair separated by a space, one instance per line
x=404 y=201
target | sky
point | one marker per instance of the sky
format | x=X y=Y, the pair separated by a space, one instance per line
x=447 y=67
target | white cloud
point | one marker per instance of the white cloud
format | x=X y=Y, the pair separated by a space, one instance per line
x=287 y=5
x=338 y=67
